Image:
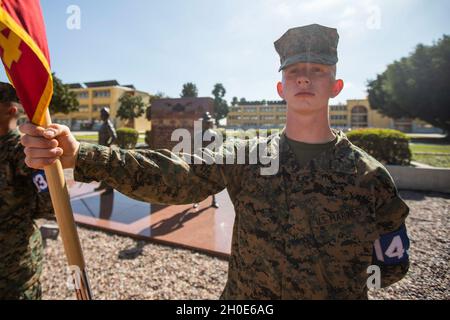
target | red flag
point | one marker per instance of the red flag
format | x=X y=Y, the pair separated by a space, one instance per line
x=24 y=53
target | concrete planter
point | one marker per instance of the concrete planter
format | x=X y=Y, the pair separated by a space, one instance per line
x=423 y=179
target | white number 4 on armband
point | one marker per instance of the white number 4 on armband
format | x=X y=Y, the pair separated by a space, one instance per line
x=392 y=248
x=39 y=181
x=395 y=249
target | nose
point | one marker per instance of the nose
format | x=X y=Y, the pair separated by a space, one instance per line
x=303 y=80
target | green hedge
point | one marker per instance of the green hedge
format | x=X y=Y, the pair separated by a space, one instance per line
x=127 y=138
x=386 y=145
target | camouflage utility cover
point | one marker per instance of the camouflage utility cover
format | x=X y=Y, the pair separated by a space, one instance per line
x=309 y=44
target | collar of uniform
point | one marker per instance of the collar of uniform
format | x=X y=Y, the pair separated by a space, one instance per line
x=341 y=158
x=13 y=134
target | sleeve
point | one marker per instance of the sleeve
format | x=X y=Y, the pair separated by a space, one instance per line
x=391 y=249
x=156 y=176
x=43 y=208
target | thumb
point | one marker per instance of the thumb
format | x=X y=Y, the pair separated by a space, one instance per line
x=56 y=130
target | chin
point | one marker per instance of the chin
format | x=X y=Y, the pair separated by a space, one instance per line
x=301 y=106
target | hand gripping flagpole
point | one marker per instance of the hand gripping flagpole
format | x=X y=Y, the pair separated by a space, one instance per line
x=64 y=216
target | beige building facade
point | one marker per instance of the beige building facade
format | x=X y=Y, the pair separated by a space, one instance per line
x=352 y=115
x=92 y=97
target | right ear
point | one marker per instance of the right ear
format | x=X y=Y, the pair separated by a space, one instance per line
x=13 y=110
x=280 y=90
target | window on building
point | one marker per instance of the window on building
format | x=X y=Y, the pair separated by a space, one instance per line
x=339 y=107
x=266 y=109
x=359 y=117
x=83 y=95
x=338 y=117
x=102 y=94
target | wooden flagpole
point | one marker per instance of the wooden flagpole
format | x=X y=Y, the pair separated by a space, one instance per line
x=64 y=216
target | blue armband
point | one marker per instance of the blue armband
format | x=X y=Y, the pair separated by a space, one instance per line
x=392 y=248
x=40 y=181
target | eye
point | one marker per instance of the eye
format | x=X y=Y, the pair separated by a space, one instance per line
x=317 y=70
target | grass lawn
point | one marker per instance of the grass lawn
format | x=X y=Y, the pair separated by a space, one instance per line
x=431 y=160
x=442 y=161
x=94 y=138
x=437 y=148
x=88 y=138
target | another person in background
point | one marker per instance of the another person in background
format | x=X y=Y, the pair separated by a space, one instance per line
x=206 y=133
x=106 y=137
x=24 y=197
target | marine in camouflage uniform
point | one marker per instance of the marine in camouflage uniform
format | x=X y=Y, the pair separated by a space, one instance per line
x=303 y=233
x=306 y=231
x=21 y=250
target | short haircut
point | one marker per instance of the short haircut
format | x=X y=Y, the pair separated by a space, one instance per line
x=8 y=94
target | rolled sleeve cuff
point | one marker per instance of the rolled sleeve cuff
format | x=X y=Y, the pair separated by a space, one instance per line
x=92 y=162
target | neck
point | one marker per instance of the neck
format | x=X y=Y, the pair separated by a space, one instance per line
x=4 y=130
x=309 y=128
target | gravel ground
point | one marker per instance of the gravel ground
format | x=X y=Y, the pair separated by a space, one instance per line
x=123 y=268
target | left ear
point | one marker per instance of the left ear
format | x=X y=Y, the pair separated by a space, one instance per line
x=280 y=90
x=337 y=88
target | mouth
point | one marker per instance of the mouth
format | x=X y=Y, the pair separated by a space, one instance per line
x=305 y=94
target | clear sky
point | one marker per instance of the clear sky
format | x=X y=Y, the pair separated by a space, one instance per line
x=159 y=45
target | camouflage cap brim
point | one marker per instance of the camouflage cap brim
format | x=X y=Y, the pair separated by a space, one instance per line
x=309 y=58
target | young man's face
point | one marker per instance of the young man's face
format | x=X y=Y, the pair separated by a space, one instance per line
x=307 y=87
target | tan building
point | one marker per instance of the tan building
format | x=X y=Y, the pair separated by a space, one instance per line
x=93 y=96
x=257 y=114
x=355 y=114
